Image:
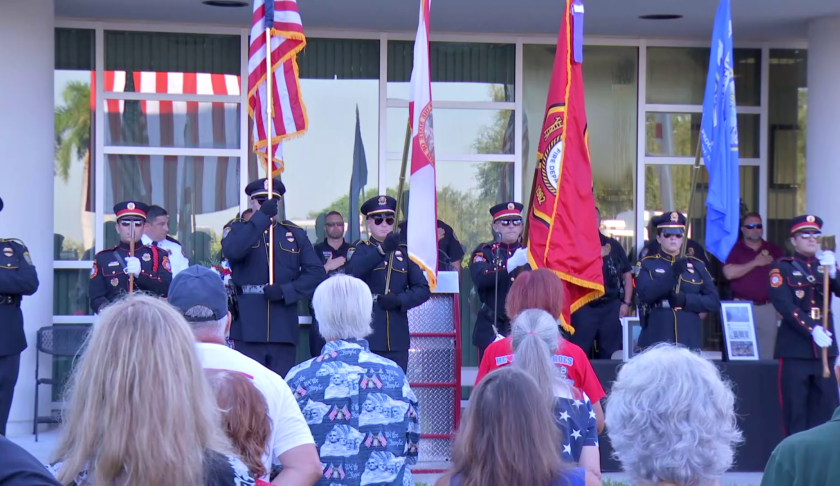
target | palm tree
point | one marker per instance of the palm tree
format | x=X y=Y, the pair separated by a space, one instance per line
x=72 y=126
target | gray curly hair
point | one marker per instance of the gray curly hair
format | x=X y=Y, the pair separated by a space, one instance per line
x=671 y=418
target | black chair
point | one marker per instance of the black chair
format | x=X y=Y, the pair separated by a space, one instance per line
x=62 y=340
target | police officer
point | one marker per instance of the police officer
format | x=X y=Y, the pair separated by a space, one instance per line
x=675 y=289
x=113 y=268
x=499 y=261
x=450 y=251
x=692 y=248
x=267 y=329
x=796 y=291
x=600 y=318
x=333 y=254
x=17 y=278
x=369 y=260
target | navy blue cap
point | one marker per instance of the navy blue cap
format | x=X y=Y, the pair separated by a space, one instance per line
x=379 y=205
x=131 y=209
x=195 y=286
x=259 y=188
x=805 y=222
x=670 y=223
x=506 y=210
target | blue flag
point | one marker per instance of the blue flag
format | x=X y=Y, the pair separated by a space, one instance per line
x=719 y=136
x=358 y=180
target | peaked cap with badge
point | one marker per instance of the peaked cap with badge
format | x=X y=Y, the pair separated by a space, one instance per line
x=131 y=209
x=805 y=222
x=506 y=210
x=671 y=223
x=379 y=205
x=259 y=188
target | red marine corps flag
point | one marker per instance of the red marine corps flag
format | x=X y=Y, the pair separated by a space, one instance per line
x=562 y=226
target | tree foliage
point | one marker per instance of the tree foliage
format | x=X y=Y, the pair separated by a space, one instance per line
x=72 y=127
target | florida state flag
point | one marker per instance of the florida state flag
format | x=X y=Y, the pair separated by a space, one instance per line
x=562 y=227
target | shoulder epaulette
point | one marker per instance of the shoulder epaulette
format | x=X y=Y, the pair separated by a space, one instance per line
x=13 y=240
x=650 y=257
x=289 y=224
x=786 y=259
x=235 y=220
x=698 y=259
x=173 y=240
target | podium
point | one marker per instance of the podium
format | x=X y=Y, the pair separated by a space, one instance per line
x=434 y=370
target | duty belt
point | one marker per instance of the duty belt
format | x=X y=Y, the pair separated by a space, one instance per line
x=9 y=299
x=250 y=289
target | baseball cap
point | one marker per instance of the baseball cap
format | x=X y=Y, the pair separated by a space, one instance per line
x=195 y=286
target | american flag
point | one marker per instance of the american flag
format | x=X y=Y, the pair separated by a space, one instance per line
x=162 y=179
x=289 y=113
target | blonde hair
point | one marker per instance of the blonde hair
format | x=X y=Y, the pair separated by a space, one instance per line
x=535 y=339
x=140 y=409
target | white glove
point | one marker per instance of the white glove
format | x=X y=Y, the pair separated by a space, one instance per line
x=828 y=259
x=132 y=266
x=519 y=258
x=821 y=337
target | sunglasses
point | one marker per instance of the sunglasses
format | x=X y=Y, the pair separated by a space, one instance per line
x=508 y=222
x=380 y=219
x=808 y=236
x=678 y=236
x=754 y=226
x=333 y=225
x=129 y=223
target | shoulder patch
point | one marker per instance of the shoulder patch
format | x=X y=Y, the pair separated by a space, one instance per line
x=350 y=253
x=226 y=231
x=776 y=278
x=478 y=258
x=27 y=257
x=166 y=264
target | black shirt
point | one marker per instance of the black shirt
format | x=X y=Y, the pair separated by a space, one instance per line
x=325 y=252
x=20 y=468
x=449 y=248
x=615 y=265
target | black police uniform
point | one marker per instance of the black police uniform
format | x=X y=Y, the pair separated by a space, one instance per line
x=450 y=249
x=487 y=262
x=796 y=286
x=600 y=318
x=108 y=279
x=674 y=317
x=267 y=328
x=324 y=252
x=17 y=278
x=368 y=261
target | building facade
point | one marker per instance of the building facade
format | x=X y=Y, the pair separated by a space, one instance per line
x=96 y=111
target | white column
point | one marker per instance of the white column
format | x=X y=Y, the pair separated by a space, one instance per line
x=822 y=145
x=26 y=170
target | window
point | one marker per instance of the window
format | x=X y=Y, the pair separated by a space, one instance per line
x=676 y=134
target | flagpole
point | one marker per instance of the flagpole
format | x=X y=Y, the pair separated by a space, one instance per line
x=269 y=165
x=694 y=170
x=399 y=201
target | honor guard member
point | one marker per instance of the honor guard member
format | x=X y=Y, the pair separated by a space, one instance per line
x=796 y=291
x=600 y=319
x=156 y=233
x=267 y=329
x=674 y=316
x=498 y=261
x=333 y=254
x=368 y=261
x=109 y=277
x=17 y=278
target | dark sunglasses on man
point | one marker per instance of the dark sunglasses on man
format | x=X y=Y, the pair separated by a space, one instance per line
x=754 y=226
x=378 y=220
x=808 y=236
x=508 y=222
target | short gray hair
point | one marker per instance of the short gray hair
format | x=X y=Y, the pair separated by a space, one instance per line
x=344 y=308
x=196 y=313
x=671 y=418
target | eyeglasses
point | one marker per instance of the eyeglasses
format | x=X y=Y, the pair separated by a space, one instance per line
x=379 y=220
x=808 y=236
x=333 y=225
x=667 y=235
x=754 y=226
x=508 y=222
x=129 y=223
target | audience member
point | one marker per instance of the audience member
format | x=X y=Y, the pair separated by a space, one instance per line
x=671 y=419
x=20 y=468
x=200 y=295
x=807 y=457
x=542 y=289
x=245 y=417
x=140 y=410
x=497 y=446
x=358 y=405
x=535 y=336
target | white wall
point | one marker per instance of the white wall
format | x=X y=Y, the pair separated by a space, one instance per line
x=26 y=165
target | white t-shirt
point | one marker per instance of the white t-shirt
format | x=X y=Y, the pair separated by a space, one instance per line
x=177 y=259
x=288 y=427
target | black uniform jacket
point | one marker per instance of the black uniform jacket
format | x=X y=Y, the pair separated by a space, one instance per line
x=390 y=328
x=108 y=280
x=297 y=270
x=656 y=282
x=800 y=301
x=17 y=278
x=484 y=272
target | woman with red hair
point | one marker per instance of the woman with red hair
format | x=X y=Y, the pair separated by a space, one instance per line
x=542 y=289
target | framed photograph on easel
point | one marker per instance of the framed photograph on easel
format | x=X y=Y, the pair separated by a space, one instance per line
x=631 y=327
x=739 y=330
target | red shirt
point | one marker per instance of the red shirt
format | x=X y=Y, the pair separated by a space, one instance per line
x=752 y=286
x=573 y=363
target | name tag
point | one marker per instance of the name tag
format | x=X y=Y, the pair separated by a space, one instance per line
x=660 y=270
x=114 y=264
x=797 y=273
